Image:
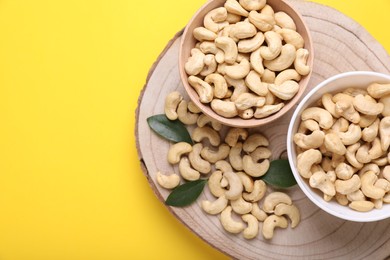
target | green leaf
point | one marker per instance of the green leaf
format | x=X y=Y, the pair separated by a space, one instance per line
x=279 y=174
x=186 y=193
x=173 y=130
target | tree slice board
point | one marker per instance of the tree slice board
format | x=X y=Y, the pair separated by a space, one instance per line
x=340 y=45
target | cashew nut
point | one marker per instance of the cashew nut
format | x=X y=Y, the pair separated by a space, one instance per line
x=386 y=105
x=184 y=115
x=254 y=169
x=232 y=6
x=314 y=140
x=367 y=105
x=284 y=60
x=275 y=198
x=205 y=120
x=270 y=223
x=213 y=156
x=252 y=229
x=344 y=171
x=203 y=34
x=247 y=182
x=322 y=116
x=252 y=5
x=329 y=105
x=186 y=170
x=370 y=132
x=216 y=206
x=334 y=144
x=351 y=136
x=235 y=157
x=346 y=109
x=229 y=47
x=235 y=186
x=258 y=212
x=291 y=211
x=203 y=89
x=233 y=18
x=268 y=76
x=214 y=20
x=286 y=90
x=376 y=151
x=238 y=85
x=254 y=141
x=258 y=192
x=383 y=184
x=350 y=155
x=366 y=120
x=377 y=90
x=257 y=61
x=306 y=160
x=288 y=74
x=228 y=223
x=356 y=196
x=240 y=206
x=177 y=150
x=321 y=181
x=242 y=30
x=223 y=166
x=368 y=180
x=267 y=110
x=238 y=70
x=248 y=100
x=234 y=135
x=263 y=22
x=341 y=199
x=362 y=206
x=168 y=181
x=274 y=46
x=348 y=186
x=362 y=153
x=195 y=63
x=254 y=83
x=246 y=114
x=171 y=103
x=206 y=132
x=196 y=161
x=341 y=125
x=252 y=44
x=224 y=108
x=292 y=37
x=284 y=21
x=261 y=153
x=214 y=184
x=219 y=83
x=384 y=132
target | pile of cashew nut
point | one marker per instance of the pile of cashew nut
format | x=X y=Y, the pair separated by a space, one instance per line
x=248 y=59
x=231 y=167
x=343 y=147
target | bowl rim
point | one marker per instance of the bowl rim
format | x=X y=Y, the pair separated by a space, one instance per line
x=301 y=183
x=253 y=122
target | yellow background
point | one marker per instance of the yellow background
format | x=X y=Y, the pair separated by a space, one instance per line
x=70 y=74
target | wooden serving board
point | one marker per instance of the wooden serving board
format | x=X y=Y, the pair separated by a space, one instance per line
x=340 y=45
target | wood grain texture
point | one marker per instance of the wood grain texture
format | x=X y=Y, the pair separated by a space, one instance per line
x=340 y=45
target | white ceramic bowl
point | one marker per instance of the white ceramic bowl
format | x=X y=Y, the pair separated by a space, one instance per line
x=335 y=84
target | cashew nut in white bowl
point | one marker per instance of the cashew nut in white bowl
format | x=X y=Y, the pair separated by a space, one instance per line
x=172 y=101
x=334 y=144
x=216 y=206
x=386 y=105
x=252 y=229
x=384 y=132
x=311 y=141
x=352 y=136
x=348 y=186
x=357 y=195
x=368 y=180
x=344 y=171
x=377 y=90
x=229 y=224
x=270 y=223
x=275 y=198
x=168 y=181
x=370 y=132
x=321 y=181
x=306 y=160
x=362 y=206
x=367 y=105
x=346 y=109
x=322 y=116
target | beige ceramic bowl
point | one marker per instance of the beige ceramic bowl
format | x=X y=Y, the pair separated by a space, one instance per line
x=188 y=42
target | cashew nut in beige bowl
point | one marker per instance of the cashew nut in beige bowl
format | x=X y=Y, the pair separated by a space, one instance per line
x=359 y=80
x=267 y=112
